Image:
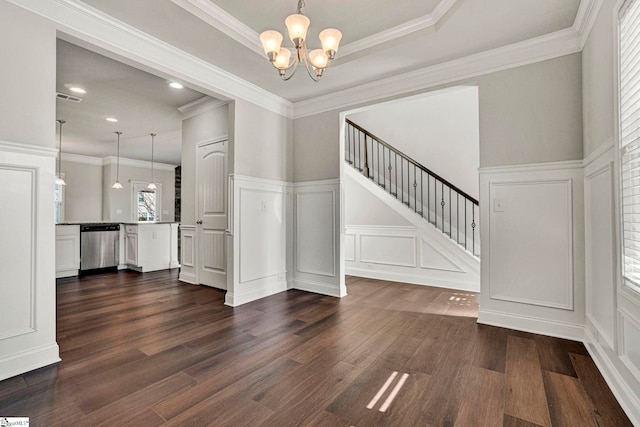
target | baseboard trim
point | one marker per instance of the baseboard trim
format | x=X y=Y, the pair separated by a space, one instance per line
x=534 y=325
x=414 y=280
x=236 y=299
x=318 y=288
x=187 y=278
x=29 y=360
x=628 y=400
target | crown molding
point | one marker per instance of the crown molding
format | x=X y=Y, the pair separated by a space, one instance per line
x=548 y=46
x=86 y=23
x=223 y=22
x=31 y=149
x=199 y=106
x=79 y=158
x=240 y=32
x=124 y=161
x=586 y=18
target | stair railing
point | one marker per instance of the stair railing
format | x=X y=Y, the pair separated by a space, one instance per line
x=444 y=205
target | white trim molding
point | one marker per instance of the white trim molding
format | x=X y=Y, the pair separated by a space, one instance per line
x=199 y=106
x=536 y=325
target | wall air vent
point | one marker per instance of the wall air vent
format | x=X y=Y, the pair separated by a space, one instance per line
x=68 y=97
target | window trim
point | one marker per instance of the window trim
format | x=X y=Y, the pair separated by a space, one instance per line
x=624 y=282
x=135 y=186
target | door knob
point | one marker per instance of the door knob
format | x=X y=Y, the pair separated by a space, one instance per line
x=199 y=221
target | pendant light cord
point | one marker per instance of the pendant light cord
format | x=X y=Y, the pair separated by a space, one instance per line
x=60 y=122
x=118 y=158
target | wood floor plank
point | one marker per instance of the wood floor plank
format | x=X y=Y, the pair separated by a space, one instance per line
x=526 y=398
x=510 y=421
x=553 y=356
x=568 y=402
x=606 y=409
x=486 y=409
x=491 y=348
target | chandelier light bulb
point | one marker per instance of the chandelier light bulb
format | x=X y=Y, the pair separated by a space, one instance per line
x=318 y=58
x=271 y=41
x=330 y=39
x=282 y=60
x=297 y=24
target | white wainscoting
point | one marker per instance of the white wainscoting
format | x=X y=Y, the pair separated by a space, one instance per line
x=600 y=244
x=27 y=282
x=188 y=254
x=407 y=254
x=259 y=231
x=612 y=324
x=531 y=221
x=317 y=237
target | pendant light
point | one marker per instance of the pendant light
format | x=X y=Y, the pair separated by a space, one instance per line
x=117 y=184
x=59 y=179
x=152 y=186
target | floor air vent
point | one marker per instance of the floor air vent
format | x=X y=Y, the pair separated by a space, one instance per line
x=67 y=97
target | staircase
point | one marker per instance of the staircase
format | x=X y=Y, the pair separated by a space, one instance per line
x=436 y=200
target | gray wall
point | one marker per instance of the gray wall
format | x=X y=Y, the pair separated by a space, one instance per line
x=529 y=114
x=262 y=143
x=598 y=81
x=123 y=199
x=212 y=124
x=316 y=147
x=28 y=52
x=83 y=192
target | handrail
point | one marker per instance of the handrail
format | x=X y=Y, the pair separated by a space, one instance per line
x=416 y=163
x=435 y=199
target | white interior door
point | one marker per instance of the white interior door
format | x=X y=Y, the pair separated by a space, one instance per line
x=211 y=174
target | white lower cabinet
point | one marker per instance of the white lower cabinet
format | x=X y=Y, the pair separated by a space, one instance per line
x=67 y=250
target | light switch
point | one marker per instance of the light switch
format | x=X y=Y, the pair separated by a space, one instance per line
x=499 y=205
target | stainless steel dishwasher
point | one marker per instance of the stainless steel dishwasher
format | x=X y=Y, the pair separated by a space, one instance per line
x=99 y=246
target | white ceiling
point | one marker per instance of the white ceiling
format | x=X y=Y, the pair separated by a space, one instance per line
x=380 y=39
x=142 y=103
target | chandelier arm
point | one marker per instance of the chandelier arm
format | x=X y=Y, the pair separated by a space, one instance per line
x=313 y=74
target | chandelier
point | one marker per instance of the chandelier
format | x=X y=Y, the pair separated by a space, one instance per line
x=315 y=61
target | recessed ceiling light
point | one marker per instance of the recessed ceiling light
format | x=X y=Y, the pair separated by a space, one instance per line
x=112 y=119
x=176 y=85
x=77 y=89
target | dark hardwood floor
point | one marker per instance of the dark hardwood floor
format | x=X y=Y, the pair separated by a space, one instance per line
x=147 y=350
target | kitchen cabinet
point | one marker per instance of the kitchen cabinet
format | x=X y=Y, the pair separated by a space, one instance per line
x=151 y=247
x=131 y=245
x=67 y=250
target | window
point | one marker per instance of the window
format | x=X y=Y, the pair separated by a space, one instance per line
x=147 y=204
x=629 y=131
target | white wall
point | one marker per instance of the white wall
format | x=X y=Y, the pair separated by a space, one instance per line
x=440 y=130
x=361 y=207
x=83 y=192
x=27 y=162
